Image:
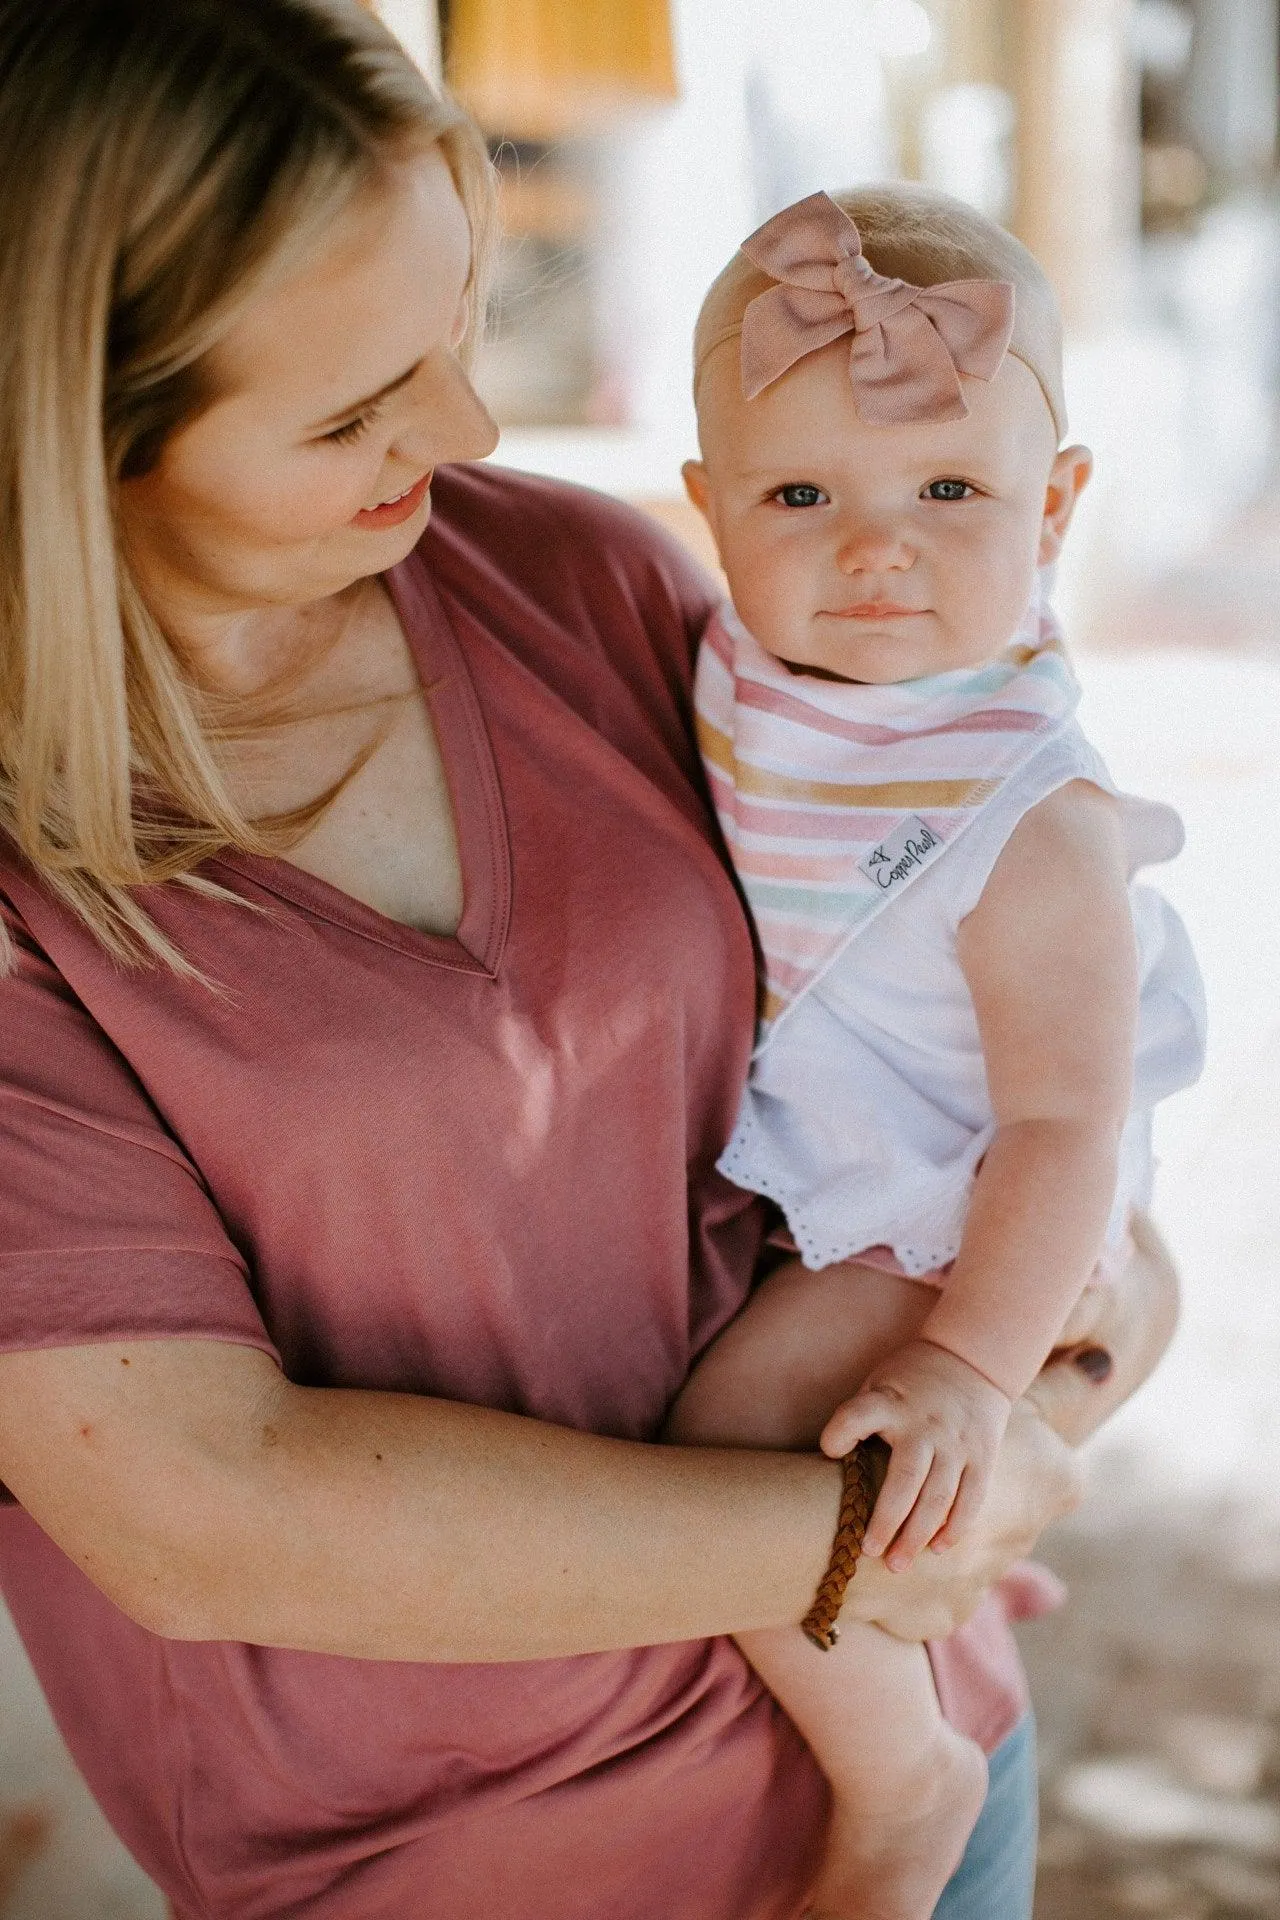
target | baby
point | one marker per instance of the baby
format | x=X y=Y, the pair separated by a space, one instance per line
x=958 y=977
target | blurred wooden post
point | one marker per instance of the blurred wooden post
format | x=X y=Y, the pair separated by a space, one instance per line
x=973 y=40
x=1231 y=88
x=416 y=25
x=1078 y=192
x=547 y=70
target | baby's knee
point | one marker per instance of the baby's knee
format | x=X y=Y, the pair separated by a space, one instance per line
x=727 y=1404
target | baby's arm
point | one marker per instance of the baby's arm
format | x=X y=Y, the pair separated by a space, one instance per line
x=1049 y=957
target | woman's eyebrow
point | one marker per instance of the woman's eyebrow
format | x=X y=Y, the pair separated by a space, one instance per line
x=358 y=406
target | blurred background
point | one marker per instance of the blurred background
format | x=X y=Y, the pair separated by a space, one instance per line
x=1133 y=145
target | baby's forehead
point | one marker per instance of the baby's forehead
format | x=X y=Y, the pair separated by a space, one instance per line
x=812 y=412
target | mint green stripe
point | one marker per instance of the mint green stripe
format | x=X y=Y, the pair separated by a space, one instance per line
x=797 y=901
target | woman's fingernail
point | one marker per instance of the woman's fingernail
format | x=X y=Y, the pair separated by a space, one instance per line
x=1095 y=1363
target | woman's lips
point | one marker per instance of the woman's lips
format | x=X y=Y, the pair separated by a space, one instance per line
x=392 y=512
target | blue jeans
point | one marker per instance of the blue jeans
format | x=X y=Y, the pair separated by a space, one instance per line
x=996 y=1878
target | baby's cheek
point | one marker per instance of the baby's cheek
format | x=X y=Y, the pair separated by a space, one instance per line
x=997 y=602
x=762 y=609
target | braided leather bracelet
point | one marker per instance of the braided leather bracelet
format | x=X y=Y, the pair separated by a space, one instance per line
x=864 y=1471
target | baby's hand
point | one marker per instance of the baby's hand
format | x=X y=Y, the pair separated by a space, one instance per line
x=944 y=1422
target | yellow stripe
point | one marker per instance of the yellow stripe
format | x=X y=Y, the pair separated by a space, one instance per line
x=888 y=794
x=716 y=746
x=884 y=795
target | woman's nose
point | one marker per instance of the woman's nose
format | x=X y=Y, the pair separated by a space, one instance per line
x=452 y=423
x=474 y=428
x=872 y=546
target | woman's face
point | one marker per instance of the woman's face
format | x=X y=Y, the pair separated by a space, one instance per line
x=336 y=391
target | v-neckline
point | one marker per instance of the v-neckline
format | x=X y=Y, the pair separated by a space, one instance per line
x=466 y=755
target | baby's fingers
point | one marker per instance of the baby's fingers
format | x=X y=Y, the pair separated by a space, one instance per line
x=867 y=1413
x=933 y=1503
x=909 y=1465
x=966 y=1506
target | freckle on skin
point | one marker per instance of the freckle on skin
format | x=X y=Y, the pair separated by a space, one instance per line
x=124 y=1360
x=85 y=1432
x=270 y=1437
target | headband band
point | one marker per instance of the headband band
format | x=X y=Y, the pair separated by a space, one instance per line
x=910 y=344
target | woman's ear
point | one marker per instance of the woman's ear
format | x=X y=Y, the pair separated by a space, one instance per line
x=1068 y=478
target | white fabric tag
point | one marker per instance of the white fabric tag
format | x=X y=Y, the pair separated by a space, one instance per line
x=900 y=857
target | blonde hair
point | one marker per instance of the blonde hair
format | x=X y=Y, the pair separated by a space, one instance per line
x=163 y=162
x=915 y=233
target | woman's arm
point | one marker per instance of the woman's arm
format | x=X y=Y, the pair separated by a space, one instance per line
x=1112 y=1342
x=212 y=1499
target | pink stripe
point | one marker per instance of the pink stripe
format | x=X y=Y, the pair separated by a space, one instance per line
x=800 y=866
x=796 y=940
x=719 y=642
x=756 y=825
x=766 y=822
x=784 y=706
x=1012 y=720
x=782 y=974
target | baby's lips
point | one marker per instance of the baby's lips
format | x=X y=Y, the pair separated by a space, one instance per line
x=1029 y=1590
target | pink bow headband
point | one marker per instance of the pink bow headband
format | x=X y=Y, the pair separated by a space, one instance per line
x=910 y=344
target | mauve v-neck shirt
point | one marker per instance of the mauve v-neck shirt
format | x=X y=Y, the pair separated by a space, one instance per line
x=479 y=1167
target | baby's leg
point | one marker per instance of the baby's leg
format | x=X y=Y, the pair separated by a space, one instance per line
x=906 y=1787
x=803 y=1343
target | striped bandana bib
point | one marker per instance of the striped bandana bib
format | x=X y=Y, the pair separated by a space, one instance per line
x=834 y=797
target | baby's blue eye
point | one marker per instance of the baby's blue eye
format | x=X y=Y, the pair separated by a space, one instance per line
x=800 y=494
x=947 y=489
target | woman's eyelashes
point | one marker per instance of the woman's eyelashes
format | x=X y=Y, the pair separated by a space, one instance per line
x=343 y=436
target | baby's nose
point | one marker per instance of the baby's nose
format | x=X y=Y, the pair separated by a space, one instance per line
x=872 y=546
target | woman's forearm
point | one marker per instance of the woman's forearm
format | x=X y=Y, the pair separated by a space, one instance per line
x=212 y=1499
x=392 y=1527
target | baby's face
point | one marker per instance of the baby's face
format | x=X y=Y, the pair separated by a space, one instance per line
x=879 y=553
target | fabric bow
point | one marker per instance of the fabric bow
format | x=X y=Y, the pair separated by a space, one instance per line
x=910 y=344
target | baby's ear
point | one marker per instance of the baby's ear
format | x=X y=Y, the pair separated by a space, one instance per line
x=1068 y=478
x=697 y=486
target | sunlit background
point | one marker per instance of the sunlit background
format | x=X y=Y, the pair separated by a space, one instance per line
x=1132 y=144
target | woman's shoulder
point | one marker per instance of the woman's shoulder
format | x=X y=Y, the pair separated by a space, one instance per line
x=497 y=504
x=590 y=563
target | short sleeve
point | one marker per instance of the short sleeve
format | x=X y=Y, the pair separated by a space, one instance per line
x=107 y=1231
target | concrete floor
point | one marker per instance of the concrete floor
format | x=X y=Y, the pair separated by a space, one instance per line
x=1158 y=1687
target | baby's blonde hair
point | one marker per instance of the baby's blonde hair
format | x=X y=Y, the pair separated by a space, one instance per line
x=916 y=234
x=163 y=162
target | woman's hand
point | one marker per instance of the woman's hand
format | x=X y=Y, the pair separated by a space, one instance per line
x=1037 y=1479
x=1112 y=1342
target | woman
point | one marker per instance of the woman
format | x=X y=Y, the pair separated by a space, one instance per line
x=377 y=1004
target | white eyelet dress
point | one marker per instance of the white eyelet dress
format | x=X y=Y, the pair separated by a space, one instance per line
x=867 y=1112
